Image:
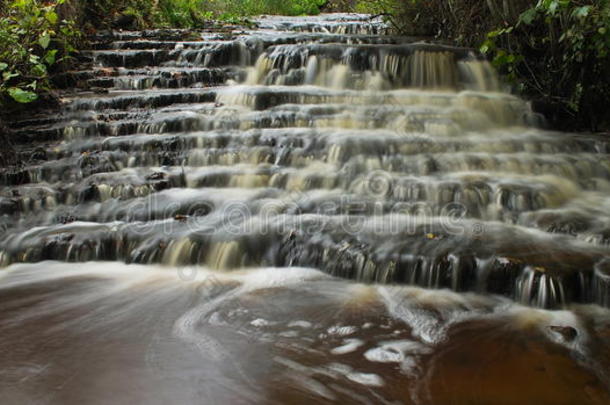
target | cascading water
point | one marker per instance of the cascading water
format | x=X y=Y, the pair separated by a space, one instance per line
x=243 y=161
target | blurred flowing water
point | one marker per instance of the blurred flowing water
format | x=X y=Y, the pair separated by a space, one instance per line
x=310 y=211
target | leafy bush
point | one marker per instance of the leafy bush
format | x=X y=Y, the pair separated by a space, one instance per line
x=180 y=13
x=191 y=13
x=559 y=51
x=230 y=10
x=462 y=20
x=104 y=13
x=33 y=41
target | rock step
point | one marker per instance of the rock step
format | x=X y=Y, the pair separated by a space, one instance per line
x=262 y=41
x=145 y=78
x=359 y=57
x=150 y=166
x=201 y=149
x=163 y=34
x=216 y=54
x=356 y=150
x=503 y=107
x=148 y=195
x=98 y=174
x=145 y=99
x=428 y=256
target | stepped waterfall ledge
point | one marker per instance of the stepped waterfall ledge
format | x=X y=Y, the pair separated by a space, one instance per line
x=369 y=211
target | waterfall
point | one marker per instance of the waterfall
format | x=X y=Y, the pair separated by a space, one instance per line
x=306 y=211
x=387 y=160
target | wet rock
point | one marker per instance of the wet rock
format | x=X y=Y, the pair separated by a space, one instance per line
x=156 y=176
x=601 y=283
x=66 y=219
x=90 y=193
x=14 y=176
x=8 y=206
x=107 y=71
x=39 y=154
x=181 y=218
x=502 y=273
x=567 y=333
x=126 y=22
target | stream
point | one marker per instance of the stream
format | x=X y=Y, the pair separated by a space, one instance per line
x=309 y=211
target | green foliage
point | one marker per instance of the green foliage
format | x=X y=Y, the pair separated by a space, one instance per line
x=98 y=13
x=461 y=20
x=180 y=13
x=558 y=50
x=377 y=7
x=397 y=13
x=234 y=10
x=192 y=13
x=33 y=41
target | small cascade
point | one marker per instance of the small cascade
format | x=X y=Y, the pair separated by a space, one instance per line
x=378 y=67
x=432 y=69
x=315 y=142
x=601 y=283
x=540 y=290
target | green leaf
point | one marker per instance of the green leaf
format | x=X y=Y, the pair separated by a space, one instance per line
x=22 y=4
x=50 y=57
x=51 y=17
x=3 y=66
x=551 y=6
x=495 y=33
x=22 y=96
x=528 y=16
x=39 y=70
x=44 y=40
x=487 y=46
x=581 y=12
x=6 y=76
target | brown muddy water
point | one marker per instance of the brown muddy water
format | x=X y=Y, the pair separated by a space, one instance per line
x=312 y=211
